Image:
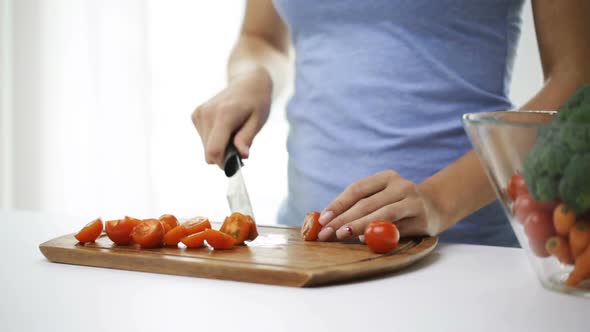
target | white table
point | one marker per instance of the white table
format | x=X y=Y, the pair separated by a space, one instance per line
x=458 y=288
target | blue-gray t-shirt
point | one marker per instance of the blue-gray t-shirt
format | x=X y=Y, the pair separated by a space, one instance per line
x=382 y=84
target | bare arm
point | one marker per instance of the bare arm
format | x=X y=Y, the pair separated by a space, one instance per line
x=564 y=44
x=263 y=43
x=255 y=70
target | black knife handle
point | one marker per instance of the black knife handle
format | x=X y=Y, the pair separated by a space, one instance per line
x=232 y=161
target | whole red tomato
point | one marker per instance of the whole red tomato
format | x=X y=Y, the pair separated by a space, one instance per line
x=538 y=227
x=525 y=204
x=381 y=236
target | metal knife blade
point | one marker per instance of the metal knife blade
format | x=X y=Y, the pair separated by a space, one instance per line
x=237 y=194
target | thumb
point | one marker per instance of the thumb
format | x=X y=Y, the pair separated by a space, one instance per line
x=245 y=136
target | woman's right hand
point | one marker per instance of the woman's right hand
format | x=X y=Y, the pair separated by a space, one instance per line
x=241 y=108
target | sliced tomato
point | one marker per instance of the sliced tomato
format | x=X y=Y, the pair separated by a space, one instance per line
x=174 y=236
x=196 y=240
x=218 y=240
x=311 y=226
x=196 y=225
x=119 y=231
x=239 y=226
x=90 y=232
x=170 y=220
x=149 y=233
x=516 y=186
x=381 y=236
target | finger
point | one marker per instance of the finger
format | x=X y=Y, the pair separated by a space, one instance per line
x=355 y=192
x=245 y=136
x=365 y=207
x=200 y=121
x=219 y=138
x=412 y=226
x=403 y=209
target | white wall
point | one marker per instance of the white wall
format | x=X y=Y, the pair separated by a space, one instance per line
x=103 y=93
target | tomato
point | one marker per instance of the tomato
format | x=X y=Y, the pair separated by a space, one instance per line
x=170 y=220
x=196 y=225
x=311 y=226
x=381 y=236
x=524 y=205
x=90 y=232
x=218 y=240
x=196 y=240
x=175 y=235
x=119 y=231
x=238 y=226
x=149 y=233
x=538 y=227
x=516 y=186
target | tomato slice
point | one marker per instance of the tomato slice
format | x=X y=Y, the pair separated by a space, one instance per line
x=149 y=233
x=196 y=240
x=119 y=231
x=218 y=240
x=90 y=232
x=196 y=225
x=170 y=220
x=239 y=226
x=311 y=226
x=381 y=236
x=174 y=236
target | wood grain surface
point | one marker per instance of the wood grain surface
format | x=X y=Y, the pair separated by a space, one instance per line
x=278 y=256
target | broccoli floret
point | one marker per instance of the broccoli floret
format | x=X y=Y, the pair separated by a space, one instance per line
x=574 y=187
x=558 y=166
x=577 y=104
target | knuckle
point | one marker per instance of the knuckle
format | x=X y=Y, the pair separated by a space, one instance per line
x=338 y=206
x=390 y=213
x=356 y=189
x=365 y=207
x=407 y=187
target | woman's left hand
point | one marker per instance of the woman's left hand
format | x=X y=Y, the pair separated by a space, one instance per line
x=383 y=196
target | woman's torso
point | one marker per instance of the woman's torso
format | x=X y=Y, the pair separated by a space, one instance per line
x=382 y=84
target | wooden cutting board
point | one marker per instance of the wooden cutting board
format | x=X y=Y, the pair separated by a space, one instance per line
x=278 y=256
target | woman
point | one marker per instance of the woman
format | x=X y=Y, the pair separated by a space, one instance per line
x=380 y=86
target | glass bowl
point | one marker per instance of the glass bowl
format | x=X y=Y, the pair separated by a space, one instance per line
x=503 y=141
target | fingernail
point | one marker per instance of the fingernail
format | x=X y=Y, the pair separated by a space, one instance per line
x=246 y=150
x=344 y=232
x=362 y=238
x=325 y=233
x=325 y=217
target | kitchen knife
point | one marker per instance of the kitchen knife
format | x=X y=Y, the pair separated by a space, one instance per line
x=237 y=194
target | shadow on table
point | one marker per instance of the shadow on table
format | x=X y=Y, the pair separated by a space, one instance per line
x=427 y=261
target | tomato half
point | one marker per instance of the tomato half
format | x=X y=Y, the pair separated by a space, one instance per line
x=170 y=220
x=381 y=236
x=311 y=226
x=538 y=226
x=218 y=240
x=90 y=232
x=149 y=233
x=196 y=225
x=196 y=240
x=174 y=236
x=516 y=186
x=238 y=226
x=119 y=231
